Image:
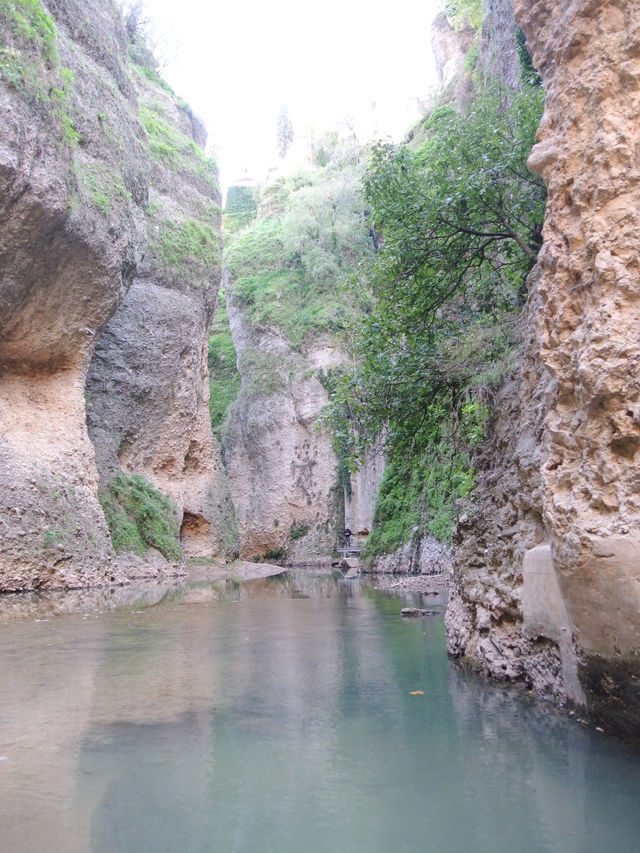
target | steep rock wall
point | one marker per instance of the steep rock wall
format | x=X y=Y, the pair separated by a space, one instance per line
x=498 y=39
x=360 y=503
x=578 y=590
x=63 y=267
x=589 y=56
x=77 y=153
x=283 y=471
x=148 y=383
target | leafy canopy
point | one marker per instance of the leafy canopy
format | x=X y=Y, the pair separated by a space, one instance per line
x=460 y=227
x=290 y=267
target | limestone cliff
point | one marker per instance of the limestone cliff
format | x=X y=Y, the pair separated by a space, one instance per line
x=547 y=585
x=75 y=171
x=282 y=469
x=291 y=315
x=148 y=383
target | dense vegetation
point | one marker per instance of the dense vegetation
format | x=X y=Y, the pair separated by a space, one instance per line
x=140 y=517
x=290 y=267
x=460 y=227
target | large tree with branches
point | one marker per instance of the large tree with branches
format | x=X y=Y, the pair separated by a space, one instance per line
x=459 y=225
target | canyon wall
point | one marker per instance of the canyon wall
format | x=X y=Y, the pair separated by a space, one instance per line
x=282 y=469
x=148 y=382
x=77 y=222
x=547 y=583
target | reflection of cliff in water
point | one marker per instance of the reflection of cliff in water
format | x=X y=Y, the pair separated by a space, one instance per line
x=285 y=721
x=573 y=778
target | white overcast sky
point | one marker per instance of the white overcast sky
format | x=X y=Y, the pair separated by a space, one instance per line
x=238 y=61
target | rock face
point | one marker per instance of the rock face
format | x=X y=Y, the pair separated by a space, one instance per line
x=63 y=265
x=283 y=471
x=148 y=382
x=498 y=37
x=360 y=503
x=564 y=599
x=75 y=168
x=450 y=49
x=421 y=555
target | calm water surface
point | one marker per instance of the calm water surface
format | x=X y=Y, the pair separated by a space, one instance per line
x=278 y=716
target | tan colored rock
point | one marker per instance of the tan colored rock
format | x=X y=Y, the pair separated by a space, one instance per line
x=64 y=262
x=580 y=382
x=450 y=49
x=79 y=226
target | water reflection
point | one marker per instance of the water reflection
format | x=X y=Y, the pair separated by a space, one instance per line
x=278 y=715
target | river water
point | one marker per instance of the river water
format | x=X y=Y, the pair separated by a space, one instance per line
x=282 y=715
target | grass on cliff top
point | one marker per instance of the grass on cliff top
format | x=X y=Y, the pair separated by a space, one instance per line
x=140 y=517
x=294 y=267
x=175 y=149
x=29 y=62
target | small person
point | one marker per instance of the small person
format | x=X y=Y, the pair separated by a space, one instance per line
x=347 y=537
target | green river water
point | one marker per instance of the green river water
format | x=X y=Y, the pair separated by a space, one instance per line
x=278 y=715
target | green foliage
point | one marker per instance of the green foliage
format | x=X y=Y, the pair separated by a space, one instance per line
x=275 y=554
x=464 y=13
x=241 y=207
x=31 y=28
x=461 y=221
x=293 y=267
x=461 y=227
x=188 y=245
x=53 y=537
x=103 y=185
x=223 y=372
x=29 y=61
x=419 y=494
x=529 y=74
x=299 y=530
x=140 y=517
x=175 y=149
x=152 y=75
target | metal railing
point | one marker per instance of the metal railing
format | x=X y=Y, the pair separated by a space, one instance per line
x=351 y=550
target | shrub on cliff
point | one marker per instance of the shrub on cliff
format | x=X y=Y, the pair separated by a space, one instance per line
x=140 y=517
x=292 y=267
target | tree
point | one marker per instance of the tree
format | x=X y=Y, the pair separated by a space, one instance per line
x=464 y=13
x=460 y=224
x=284 y=132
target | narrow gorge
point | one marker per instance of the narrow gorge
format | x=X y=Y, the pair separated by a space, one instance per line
x=459 y=395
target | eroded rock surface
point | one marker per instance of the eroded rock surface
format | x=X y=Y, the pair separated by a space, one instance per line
x=64 y=262
x=283 y=471
x=77 y=156
x=148 y=383
x=575 y=489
